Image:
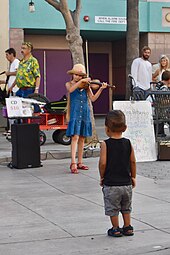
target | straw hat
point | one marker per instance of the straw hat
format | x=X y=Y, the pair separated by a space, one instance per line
x=78 y=69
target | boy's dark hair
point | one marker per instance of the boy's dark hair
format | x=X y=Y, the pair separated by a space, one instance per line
x=11 y=51
x=115 y=120
x=166 y=75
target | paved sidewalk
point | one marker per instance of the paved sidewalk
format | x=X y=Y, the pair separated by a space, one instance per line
x=49 y=211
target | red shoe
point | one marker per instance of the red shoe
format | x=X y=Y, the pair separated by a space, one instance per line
x=82 y=167
x=73 y=169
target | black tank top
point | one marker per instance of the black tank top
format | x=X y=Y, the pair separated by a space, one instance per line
x=118 y=162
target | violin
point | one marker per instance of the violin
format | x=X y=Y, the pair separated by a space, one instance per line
x=98 y=83
x=94 y=84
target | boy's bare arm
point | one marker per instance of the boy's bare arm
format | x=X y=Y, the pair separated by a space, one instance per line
x=133 y=168
x=102 y=162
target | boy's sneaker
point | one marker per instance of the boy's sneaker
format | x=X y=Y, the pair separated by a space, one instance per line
x=115 y=232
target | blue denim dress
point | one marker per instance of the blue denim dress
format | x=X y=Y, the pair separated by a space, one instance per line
x=80 y=120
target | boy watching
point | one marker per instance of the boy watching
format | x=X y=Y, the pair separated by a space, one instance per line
x=117 y=167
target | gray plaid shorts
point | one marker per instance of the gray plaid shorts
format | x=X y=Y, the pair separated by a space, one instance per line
x=117 y=199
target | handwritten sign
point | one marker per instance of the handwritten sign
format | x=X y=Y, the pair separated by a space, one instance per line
x=140 y=128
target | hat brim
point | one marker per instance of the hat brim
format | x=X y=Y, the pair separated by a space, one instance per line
x=79 y=73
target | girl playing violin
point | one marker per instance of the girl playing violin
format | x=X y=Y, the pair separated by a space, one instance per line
x=79 y=125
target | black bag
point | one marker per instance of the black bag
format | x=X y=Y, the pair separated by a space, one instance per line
x=3 y=95
x=57 y=106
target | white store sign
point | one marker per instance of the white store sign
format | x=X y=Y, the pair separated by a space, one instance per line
x=110 y=20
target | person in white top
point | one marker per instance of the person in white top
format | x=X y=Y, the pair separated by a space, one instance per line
x=11 y=75
x=141 y=70
x=14 y=63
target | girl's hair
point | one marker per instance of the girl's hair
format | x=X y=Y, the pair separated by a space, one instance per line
x=167 y=61
x=115 y=120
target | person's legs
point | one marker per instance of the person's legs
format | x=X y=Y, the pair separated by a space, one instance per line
x=28 y=92
x=20 y=93
x=126 y=219
x=24 y=93
x=80 y=149
x=115 y=221
x=126 y=208
x=74 y=141
x=112 y=199
x=115 y=231
x=80 y=154
x=127 y=229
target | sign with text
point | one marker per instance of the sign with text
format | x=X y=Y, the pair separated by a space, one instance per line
x=17 y=108
x=140 y=128
x=110 y=20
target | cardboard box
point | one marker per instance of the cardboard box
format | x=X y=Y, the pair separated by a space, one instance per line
x=164 y=150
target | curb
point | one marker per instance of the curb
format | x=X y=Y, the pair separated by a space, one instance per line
x=54 y=154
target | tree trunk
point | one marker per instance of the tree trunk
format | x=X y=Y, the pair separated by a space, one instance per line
x=75 y=45
x=72 y=22
x=132 y=38
x=75 y=42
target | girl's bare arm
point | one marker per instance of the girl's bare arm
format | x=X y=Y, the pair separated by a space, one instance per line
x=70 y=88
x=94 y=97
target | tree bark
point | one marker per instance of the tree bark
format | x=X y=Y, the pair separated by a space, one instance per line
x=75 y=45
x=132 y=39
x=72 y=22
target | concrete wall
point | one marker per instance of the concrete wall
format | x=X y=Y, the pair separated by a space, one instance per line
x=16 y=39
x=159 y=43
x=47 y=41
x=4 y=33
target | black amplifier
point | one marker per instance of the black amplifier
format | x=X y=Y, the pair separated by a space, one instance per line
x=25 y=145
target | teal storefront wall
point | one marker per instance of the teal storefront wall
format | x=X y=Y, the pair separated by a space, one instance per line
x=46 y=17
x=155 y=17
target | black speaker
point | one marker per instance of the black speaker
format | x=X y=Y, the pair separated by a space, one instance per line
x=25 y=145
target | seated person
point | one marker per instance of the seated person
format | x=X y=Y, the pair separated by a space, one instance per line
x=165 y=81
x=165 y=86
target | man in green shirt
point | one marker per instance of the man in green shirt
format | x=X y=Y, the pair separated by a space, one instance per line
x=28 y=73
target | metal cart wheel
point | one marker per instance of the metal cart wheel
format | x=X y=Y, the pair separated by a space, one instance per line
x=42 y=136
x=55 y=136
x=62 y=138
